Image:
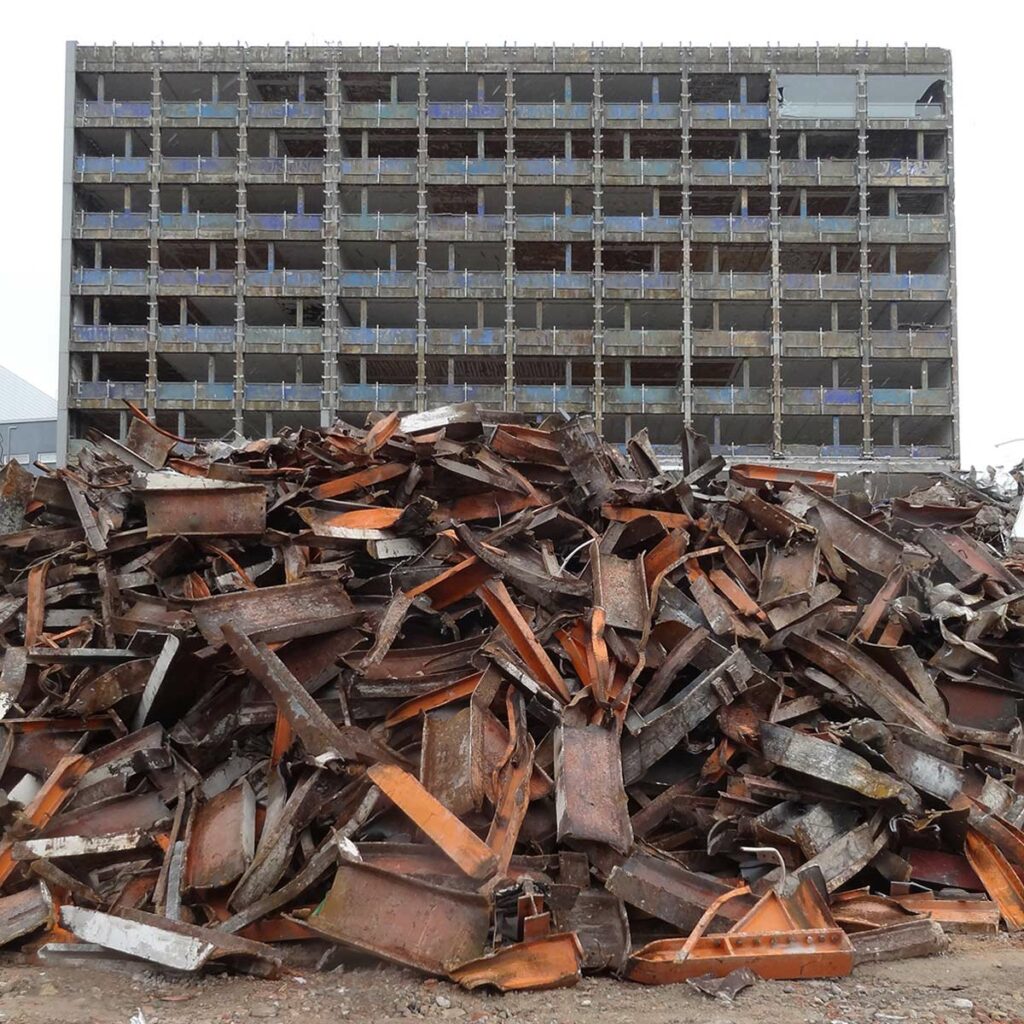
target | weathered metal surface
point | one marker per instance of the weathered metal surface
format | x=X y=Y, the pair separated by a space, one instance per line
x=899 y=942
x=16 y=487
x=321 y=737
x=223 y=839
x=833 y=764
x=402 y=919
x=188 y=506
x=590 y=801
x=25 y=912
x=1001 y=882
x=294 y=610
x=636 y=674
x=665 y=889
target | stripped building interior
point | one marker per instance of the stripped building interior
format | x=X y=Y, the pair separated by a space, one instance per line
x=754 y=241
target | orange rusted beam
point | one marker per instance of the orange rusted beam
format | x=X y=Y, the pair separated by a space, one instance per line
x=500 y=604
x=526 y=444
x=438 y=698
x=512 y=778
x=754 y=475
x=453 y=584
x=469 y=852
x=35 y=607
x=1001 y=882
x=891 y=635
x=380 y=433
x=57 y=788
x=365 y=518
x=954 y=915
x=361 y=478
x=283 y=736
x=792 y=936
x=597 y=656
x=574 y=643
x=626 y=514
x=665 y=555
x=492 y=505
x=278 y=929
x=553 y=961
x=879 y=605
x=736 y=595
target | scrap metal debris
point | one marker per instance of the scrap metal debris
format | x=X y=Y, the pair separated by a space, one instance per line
x=495 y=700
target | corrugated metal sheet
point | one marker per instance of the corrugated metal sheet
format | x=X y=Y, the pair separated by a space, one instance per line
x=20 y=400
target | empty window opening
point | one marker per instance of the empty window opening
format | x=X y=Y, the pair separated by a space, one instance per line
x=906 y=96
x=716 y=88
x=817 y=96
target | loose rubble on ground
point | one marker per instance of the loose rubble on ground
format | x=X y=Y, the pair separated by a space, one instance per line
x=493 y=699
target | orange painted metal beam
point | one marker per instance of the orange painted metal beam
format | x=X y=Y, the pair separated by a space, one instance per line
x=791 y=936
x=626 y=514
x=553 y=961
x=454 y=584
x=361 y=478
x=665 y=555
x=754 y=475
x=512 y=778
x=500 y=604
x=736 y=595
x=57 y=788
x=438 y=698
x=1001 y=882
x=464 y=848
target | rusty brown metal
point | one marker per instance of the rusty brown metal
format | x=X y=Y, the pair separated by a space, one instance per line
x=196 y=507
x=277 y=613
x=782 y=478
x=609 y=678
x=590 y=801
x=222 y=839
x=404 y=920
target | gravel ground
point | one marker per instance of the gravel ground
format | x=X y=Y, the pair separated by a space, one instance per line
x=980 y=980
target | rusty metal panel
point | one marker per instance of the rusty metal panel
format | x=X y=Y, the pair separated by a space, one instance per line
x=402 y=919
x=590 y=801
x=223 y=839
x=305 y=608
x=196 y=507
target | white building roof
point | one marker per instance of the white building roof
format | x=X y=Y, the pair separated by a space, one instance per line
x=20 y=400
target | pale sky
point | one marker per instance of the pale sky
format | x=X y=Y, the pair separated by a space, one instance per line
x=987 y=119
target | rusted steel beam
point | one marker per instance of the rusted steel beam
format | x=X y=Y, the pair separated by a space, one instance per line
x=782 y=478
x=196 y=507
x=307 y=608
x=403 y=920
x=500 y=604
x=1001 y=882
x=590 y=801
x=466 y=850
x=358 y=480
x=320 y=736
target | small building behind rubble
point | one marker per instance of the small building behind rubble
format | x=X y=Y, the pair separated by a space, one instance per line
x=28 y=422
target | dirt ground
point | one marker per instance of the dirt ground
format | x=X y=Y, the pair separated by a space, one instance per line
x=979 y=981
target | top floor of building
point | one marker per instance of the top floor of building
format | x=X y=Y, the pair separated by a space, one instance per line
x=492 y=86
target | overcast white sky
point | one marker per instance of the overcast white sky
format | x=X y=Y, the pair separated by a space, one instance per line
x=987 y=110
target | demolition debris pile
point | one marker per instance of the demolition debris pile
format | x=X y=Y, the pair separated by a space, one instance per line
x=503 y=703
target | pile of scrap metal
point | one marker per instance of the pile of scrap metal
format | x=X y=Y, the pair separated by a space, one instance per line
x=499 y=701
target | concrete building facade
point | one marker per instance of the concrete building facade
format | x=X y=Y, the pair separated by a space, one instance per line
x=755 y=241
